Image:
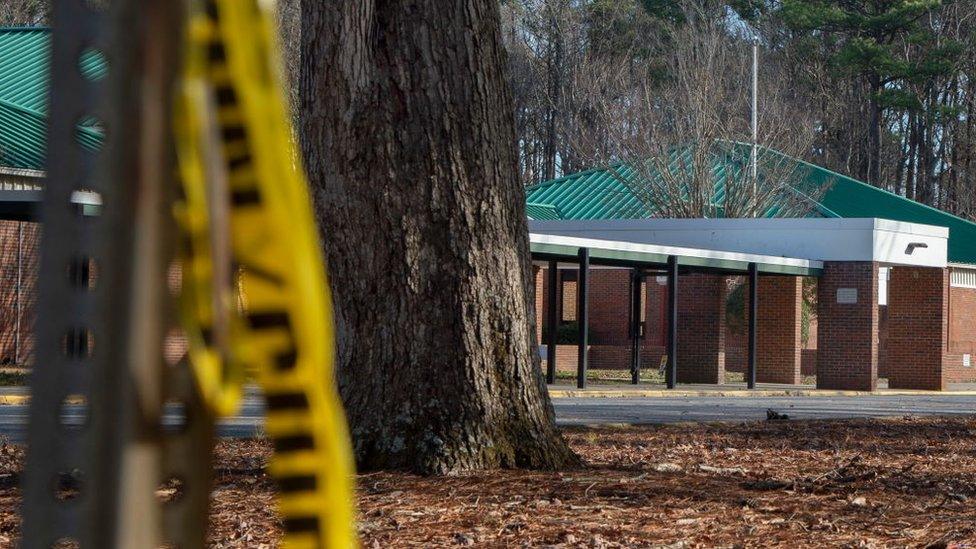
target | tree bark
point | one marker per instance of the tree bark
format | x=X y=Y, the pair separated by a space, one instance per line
x=873 y=175
x=407 y=131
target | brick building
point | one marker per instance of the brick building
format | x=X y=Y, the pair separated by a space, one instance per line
x=23 y=119
x=895 y=297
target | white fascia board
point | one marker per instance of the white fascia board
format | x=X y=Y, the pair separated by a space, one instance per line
x=679 y=251
x=910 y=228
x=22 y=172
x=919 y=248
x=821 y=239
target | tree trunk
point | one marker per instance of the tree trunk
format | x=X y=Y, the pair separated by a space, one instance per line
x=554 y=75
x=874 y=133
x=407 y=130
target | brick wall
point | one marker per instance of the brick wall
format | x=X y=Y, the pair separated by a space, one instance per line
x=918 y=302
x=962 y=320
x=656 y=314
x=808 y=354
x=706 y=347
x=19 y=253
x=567 y=356
x=883 y=335
x=701 y=328
x=606 y=357
x=736 y=356
x=847 y=355
x=808 y=362
x=778 y=329
x=962 y=336
x=609 y=302
x=541 y=288
x=20 y=246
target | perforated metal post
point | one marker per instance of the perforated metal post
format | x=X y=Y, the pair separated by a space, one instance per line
x=66 y=434
x=96 y=433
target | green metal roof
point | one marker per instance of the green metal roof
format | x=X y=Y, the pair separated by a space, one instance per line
x=24 y=64
x=593 y=194
x=542 y=211
x=600 y=194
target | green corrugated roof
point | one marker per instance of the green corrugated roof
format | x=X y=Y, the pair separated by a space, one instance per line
x=600 y=194
x=24 y=61
x=542 y=211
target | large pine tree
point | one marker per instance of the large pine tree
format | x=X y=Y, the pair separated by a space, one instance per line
x=866 y=39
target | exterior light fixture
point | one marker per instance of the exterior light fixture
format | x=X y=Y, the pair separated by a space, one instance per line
x=912 y=245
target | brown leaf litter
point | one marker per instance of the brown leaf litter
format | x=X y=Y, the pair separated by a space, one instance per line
x=908 y=482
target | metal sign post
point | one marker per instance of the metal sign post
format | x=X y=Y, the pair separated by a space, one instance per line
x=97 y=447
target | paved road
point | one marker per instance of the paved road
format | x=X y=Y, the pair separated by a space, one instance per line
x=596 y=411
x=589 y=411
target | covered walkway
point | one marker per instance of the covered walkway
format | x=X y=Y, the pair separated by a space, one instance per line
x=852 y=260
x=643 y=260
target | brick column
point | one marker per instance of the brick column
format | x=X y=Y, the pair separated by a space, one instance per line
x=701 y=328
x=540 y=301
x=847 y=316
x=918 y=323
x=778 y=346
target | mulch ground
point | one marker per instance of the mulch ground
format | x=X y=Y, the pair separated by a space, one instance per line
x=909 y=482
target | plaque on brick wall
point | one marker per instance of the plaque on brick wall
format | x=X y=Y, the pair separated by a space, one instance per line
x=847 y=295
x=967 y=361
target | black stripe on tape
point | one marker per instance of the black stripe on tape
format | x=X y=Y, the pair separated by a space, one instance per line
x=287 y=401
x=226 y=95
x=239 y=162
x=233 y=132
x=206 y=332
x=263 y=321
x=245 y=197
x=293 y=443
x=216 y=52
x=303 y=483
x=301 y=524
x=286 y=360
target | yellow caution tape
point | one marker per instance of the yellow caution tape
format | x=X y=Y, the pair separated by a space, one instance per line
x=266 y=308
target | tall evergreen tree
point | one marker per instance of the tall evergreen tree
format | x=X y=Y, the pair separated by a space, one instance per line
x=865 y=39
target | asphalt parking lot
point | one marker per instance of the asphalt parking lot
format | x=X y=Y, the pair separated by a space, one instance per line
x=595 y=411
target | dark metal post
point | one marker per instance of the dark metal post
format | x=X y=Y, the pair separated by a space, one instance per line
x=753 y=313
x=671 y=375
x=582 y=315
x=635 y=326
x=552 y=321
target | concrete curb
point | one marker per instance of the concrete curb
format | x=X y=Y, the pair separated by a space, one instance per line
x=685 y=393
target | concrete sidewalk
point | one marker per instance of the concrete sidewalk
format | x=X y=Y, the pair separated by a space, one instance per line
x=20 y=395
x=647 y=390
x=14 y=395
